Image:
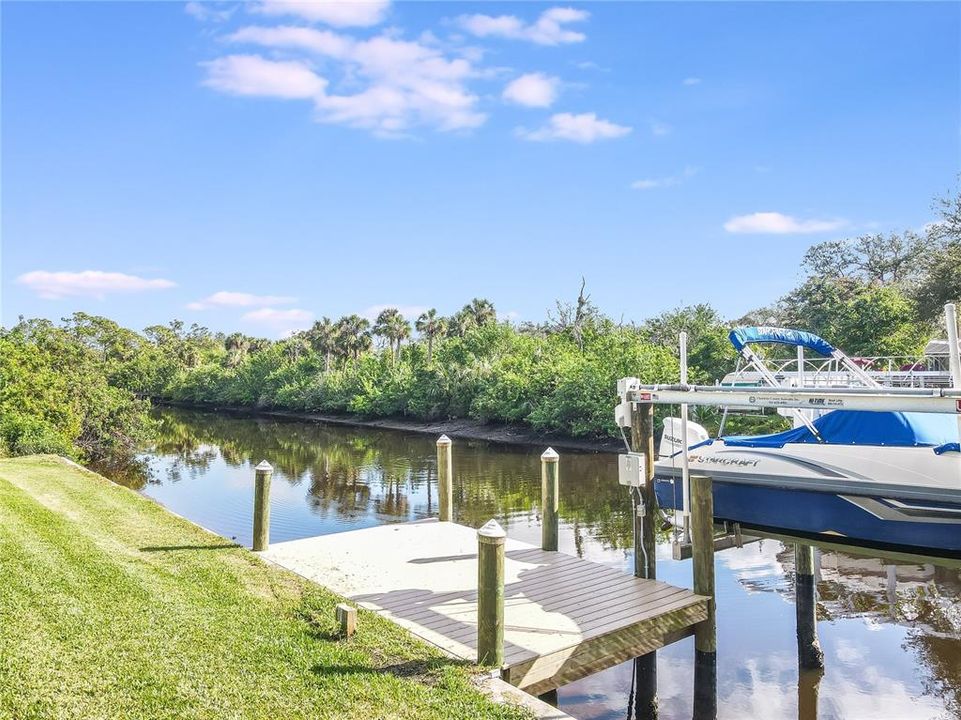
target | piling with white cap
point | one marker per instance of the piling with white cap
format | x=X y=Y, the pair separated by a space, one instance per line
x=490 y=594
x=262 y=474
x=550 y=461
x=445 y=481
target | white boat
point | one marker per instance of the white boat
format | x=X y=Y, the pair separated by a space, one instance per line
x=880 y=478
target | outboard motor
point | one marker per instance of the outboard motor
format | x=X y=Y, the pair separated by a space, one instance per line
x=671 y=437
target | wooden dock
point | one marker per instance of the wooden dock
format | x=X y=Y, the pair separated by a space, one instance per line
x=565 y=618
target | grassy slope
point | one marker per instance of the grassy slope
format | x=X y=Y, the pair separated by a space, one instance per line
x=113 y=607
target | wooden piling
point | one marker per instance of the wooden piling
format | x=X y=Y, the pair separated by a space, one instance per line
x=810 y=656
x=642 y=441
x=262 y=474
x=705 y=632
x=549 y=499
x=702 y=540
x=445 y=479
x=347 y=619
x=490 y=594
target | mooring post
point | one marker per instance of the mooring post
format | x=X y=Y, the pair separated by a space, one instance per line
x=705 y=632
x=445 y=482
x=549 y=503
x=347 y=619
x=642 y=441
x=490 y=594
x=809 y=651
x=262 y=475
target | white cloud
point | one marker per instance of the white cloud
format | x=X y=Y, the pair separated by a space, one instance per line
x=339 y=13
x=583 y=128
x=548 y=29
x=404 y=83
x=590 y=65
x=256 y=76
x=209 y=11
x=283 y=323
x=689 y=81
x=774 y=223
x=671 y=180
x=225 y=298
x=411 y=312
x=532 y=90
x=88 y=283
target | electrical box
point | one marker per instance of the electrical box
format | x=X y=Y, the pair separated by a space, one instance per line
x=622 y=414
x=630 y=469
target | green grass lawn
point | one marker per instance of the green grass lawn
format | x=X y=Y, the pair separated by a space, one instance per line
x=111 y=607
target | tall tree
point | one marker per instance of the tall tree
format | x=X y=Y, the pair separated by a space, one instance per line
x=237 y=345
x=353 y=333
x=482 y=310
x=430 y=325
x=393 y=327
x=323 y=339
x=461 y=322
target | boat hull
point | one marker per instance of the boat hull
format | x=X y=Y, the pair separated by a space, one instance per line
x=918 y=526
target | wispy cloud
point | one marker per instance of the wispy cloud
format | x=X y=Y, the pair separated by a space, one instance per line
x=532 y=90
x=281 y=322
x=691 y=81
x=403 y=84
x=584 y=128
x=88 y=283
x=669 y=181
x=209 y=11
x=774 y=223
x=659 y=129
x=549 y=28
x=590 y=65
x=258 y=77
x=339 y=13
x=226 y=298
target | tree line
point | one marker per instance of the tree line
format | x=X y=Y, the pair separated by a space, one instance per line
x=82 y=387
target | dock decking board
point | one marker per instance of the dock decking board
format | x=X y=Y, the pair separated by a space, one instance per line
x=564 y=617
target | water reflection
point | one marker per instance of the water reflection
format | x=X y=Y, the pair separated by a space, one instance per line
x=891 y=632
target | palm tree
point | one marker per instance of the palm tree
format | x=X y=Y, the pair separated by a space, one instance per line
x=353 y=333
x=236 y=344
x=323 y=338
x=461 y=322
x=483 y=311
x=430 y=325
x=295 y=346
x=393 y=327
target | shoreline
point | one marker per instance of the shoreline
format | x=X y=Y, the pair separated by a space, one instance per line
x=461 y=428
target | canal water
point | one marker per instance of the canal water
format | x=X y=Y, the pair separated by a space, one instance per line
x=891 y=633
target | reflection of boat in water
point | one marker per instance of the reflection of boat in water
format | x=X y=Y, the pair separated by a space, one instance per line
x=887 y=479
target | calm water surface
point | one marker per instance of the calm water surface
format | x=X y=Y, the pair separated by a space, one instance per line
x=891 y=634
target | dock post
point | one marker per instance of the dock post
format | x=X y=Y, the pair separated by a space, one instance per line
x=705 y=632
x=642 y=441
x=549 y=502
x=262 y=475
x=809 y=652
x=645 y=564
x=445 y=482
x=490 y=594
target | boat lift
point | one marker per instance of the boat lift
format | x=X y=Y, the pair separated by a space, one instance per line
x=869 y=396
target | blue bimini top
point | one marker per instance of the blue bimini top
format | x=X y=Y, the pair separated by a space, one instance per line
x=862 y=427
x=741 y=336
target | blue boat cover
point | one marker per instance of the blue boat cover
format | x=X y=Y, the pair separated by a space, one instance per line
x=861 y=427
x=741 y=336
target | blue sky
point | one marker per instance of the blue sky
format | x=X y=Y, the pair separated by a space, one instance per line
x=253 y=167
